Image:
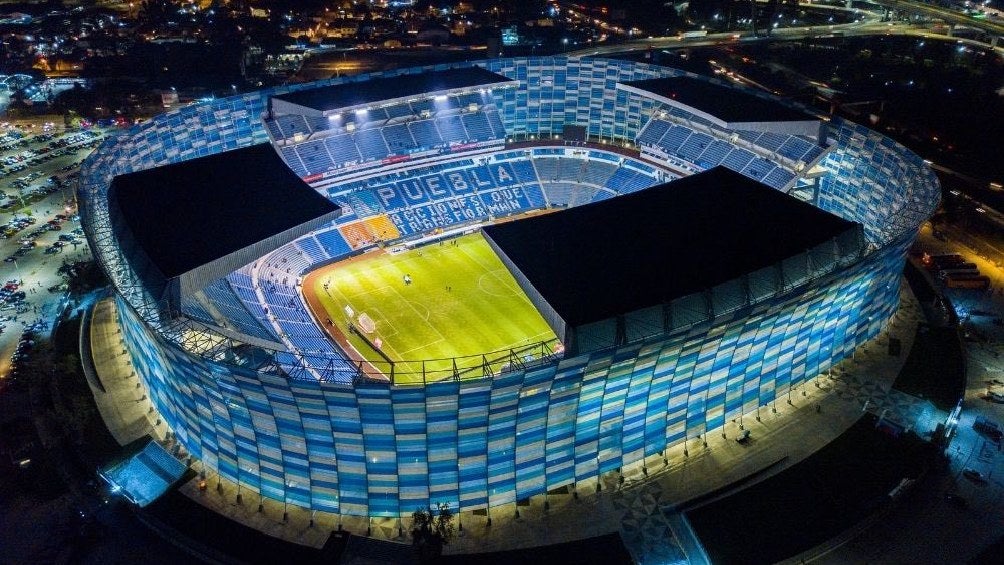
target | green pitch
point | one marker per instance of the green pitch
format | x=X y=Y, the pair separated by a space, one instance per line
x=461 y=302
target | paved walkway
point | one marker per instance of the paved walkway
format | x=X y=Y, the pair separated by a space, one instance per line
x=123 y=404
x=629 y=502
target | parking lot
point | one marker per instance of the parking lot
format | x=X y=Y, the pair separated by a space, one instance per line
x=39 y=230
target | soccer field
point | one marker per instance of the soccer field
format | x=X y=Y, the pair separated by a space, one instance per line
x=461 y=302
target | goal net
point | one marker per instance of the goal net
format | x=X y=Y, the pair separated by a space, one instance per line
x=365 y=323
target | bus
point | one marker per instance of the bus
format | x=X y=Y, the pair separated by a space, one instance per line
x=958 y=268
x=968 y=281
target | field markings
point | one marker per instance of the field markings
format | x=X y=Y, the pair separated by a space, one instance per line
x=382 y=319
x=446 y=309
x=426 y=319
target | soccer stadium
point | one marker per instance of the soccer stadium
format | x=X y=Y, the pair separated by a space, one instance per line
x=475 y=283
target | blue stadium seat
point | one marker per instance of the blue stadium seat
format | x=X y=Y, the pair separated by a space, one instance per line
x=422 y=106
x=273 y=129
x=224 y=299
x=292 y=125
x=319 y=123
x=771 y=141
x=794 y=148
x=364 y=203
x=547 y=169
x=535 y=195
x=653 y=132
x=597 y=173
x=342 y=149
x=333 y=243
x=495 y=121
x=674 y=138
x=737 y=159
x=398 y=138
x=619 y=180
x=813 y=153
x=750 y=136
x=694 y=146
x=425 y=133
x=451 y=128
x=370 y=144
x=758 y=168
x=524 y=171
x=638 y=182
x=315 y=156
x=779 y=177
x=714 y=154
x=477 y=126
x=293 y=160
x=399 y=111
x=311 y=249
x=194 y=309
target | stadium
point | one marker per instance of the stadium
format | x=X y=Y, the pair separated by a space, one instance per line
x=475 y=283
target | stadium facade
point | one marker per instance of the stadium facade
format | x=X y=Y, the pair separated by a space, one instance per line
x=257 y=393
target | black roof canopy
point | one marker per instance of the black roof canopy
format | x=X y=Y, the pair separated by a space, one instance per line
x=188 y=214
x=728 y=104
x=353 y=94
x=605 y=259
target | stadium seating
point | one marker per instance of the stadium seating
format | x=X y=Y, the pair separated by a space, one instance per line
x=311 y=249
x=714 y=154
x=758 y=168
x=293 y=160
x=292 y=125
x=451 y=128
x=495 y=121
x=370 y=144
x=372 y=138
x=192 y=308
x=795 y=148
x=771 y=141
x=342 y=149
x=333 y=243
x=597 y=173
x=400 y=111
x=232 y=298
x=477 y=127
x=398 y=138
x=547 y=169
x=357 y=235
x=674 y=139
x=737 y=159
x=381 y=227
x=425 y=133
x=363 y=203
x=694 y=146
x=314 y=156
x=653 y=132
x=779 y=177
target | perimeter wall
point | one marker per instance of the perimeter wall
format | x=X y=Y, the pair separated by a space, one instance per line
x=385 y=450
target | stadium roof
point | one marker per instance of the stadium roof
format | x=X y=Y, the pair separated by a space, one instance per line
x=601 y=260
x=727 y=104
x=361 y=93
x=188 y=214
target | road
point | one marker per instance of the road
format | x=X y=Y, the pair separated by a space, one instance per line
x=926 y=527
x=949 y=16
x=870 y=24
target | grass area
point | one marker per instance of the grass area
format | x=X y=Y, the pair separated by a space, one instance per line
x=461 y=302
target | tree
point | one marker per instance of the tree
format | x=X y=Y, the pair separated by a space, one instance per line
x=431 y=530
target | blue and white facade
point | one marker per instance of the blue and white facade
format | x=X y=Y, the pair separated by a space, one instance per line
x=279 y=426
